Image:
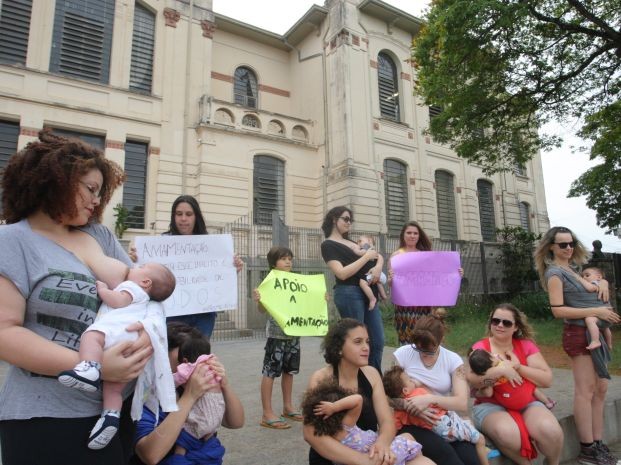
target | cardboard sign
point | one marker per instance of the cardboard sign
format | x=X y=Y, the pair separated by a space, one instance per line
x=423 y=279
x=203 y=266
x=297 y=302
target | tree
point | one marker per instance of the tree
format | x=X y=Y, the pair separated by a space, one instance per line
x=500 y=69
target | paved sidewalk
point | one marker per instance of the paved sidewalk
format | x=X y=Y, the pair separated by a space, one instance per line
x=256 y=445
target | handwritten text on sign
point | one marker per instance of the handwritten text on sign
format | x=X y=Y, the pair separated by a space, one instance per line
x=203 y=266
x=425 y=278
x=297 y=302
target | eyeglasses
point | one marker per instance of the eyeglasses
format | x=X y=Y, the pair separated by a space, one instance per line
x=95 y=193
x=505 y=323
x=347 y=219
x=425 y=352
x=564 y=245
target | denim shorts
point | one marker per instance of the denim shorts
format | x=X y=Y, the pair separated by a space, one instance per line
x=480 y=411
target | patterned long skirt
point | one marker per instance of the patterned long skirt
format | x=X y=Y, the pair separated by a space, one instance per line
x=405 y=320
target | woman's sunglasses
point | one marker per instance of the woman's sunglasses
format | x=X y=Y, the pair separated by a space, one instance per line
x=425 y=352
x=347 y=219
x=564 y=245
x=505 y=323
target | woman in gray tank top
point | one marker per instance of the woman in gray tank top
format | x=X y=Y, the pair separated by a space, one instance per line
x=54 y=193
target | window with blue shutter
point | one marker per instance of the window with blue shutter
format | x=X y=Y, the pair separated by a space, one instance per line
x=135 y=186
x=525 y=216
x=82 y=39
x=445 y=201
x=388 y=87
x=14 y=30
x=396 y=195
x=486 y=210
x=245 y=88
x=9 y=135
x=268 y=189
x=143 y=40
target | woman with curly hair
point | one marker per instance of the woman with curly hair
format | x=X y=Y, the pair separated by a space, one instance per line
x=54 y=193
x=510 y=339
x=346 y=350
x=557 y=258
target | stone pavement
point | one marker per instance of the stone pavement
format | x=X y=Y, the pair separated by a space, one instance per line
x=256 y=445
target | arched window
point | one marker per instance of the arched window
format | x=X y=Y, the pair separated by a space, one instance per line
x=268 y=189
x=299 y=133
x=525 y=216
x=251 y=121
x=396 y=194
x=388 y=87
x=245 y=87
x=143 y=40
x=445 y=200
x=486 y=210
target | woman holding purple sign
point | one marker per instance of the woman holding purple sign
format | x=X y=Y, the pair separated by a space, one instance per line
x=412 y=238
x=340 y=254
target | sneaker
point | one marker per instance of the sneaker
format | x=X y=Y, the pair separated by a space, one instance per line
x=84 y=376
x=592 y=456
x=104 y=430
x=606 y=454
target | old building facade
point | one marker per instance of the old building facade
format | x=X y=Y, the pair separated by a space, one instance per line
x=248 y=121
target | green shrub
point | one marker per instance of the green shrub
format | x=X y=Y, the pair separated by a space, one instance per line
x=534 y=304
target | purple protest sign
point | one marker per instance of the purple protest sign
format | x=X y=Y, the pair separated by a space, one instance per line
x=423 y=279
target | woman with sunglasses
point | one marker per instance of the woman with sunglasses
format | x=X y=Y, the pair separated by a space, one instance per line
x=442 y=371
x=509 y=338
x=558 y=254
x=340 y=254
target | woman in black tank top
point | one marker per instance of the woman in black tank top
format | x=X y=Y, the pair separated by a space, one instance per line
x=346 y=350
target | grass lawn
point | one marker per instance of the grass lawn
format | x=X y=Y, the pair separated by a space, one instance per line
x=467 y=325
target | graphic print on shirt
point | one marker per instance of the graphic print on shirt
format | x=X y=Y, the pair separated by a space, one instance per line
x=78 y=294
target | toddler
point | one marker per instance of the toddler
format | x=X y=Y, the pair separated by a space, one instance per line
x=450 y=425
x=121 y=307
x=365 y=243
x=334 y=411
x=206 y=414
x=282 y=354
x=593 y=276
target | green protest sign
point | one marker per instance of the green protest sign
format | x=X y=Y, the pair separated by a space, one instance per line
x=297 y=302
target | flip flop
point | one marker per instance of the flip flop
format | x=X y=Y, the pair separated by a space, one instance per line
x=278 y=423
x=293 y=416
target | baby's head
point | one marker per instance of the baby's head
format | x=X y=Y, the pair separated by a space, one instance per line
x=327 y=391
x=366 y=242
x=397 y=383
x=481 y=360
x=155 y=279
x=592 y=273
x=193 y=347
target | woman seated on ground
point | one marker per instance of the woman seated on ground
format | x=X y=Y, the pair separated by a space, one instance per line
x=157 y=440
x=442 y=371
x=509 y=337
x=346 y=350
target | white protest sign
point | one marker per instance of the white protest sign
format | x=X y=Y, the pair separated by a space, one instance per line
x=203 y=266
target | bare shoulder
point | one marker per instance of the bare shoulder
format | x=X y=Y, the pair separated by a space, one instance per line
x=372 y=374
x=320 y=375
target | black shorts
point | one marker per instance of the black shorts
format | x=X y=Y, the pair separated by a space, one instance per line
x=281 y=355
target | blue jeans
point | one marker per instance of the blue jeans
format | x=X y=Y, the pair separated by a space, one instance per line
x=204 y=322
x=351 y=303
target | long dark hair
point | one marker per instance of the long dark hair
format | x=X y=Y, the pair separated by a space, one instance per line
x=332 y=217
x=335 y=339
x=423 y=244
x=199 y=223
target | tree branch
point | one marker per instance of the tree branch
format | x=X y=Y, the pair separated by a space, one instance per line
x=596 y=20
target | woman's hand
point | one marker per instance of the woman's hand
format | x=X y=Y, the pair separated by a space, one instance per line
x=371 y=254
x=376 y=272
x=218 y=370
x=511 y=374
x=461 y=271
x=133 y=253
x=123 y=362
x=382 y=453
x=607 y=314
x=203 y=379
x=603 y=292
x=256 y=295
x=238 y=263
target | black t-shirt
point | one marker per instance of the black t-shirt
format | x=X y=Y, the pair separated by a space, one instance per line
x=332 y=250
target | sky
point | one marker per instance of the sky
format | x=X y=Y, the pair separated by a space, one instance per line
x=560 y=166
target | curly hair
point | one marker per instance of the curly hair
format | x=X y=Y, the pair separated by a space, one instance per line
x=429 y=330
x=524 y=329
x=332 y=217
x=544 y=256
x=45 y=176
x=423 y=244
x=393 y=385
x=335 y=339
x=199 y=220
x=328 y=391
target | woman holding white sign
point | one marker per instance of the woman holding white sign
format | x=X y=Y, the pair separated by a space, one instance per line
x=340 y=254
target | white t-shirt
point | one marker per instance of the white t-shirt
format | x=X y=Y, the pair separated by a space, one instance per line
x=439 y=377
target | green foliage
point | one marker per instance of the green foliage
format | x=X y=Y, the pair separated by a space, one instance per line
x=536 y=305
x=602 y=183
x=516 y=246
x=121 y=214
x=509 y=66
